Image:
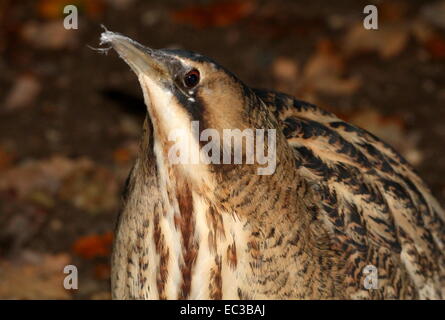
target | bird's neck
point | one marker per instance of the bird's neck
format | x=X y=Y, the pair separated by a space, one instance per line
x=181 y=238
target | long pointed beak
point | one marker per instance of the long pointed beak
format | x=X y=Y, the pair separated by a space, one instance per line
x=141 y=59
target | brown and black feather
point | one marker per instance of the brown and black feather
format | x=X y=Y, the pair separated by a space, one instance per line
x=375 y=206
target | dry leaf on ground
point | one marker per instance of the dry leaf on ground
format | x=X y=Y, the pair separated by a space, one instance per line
x=43 y=175
x=285 y=71
x=94 y=189
x=432 y=40
x=23 y=93
x=126 y=154
x=324 y=72
x=36 y=276
x=388 y=41
x=92 y=246
x=81 y=182
x=48 y=35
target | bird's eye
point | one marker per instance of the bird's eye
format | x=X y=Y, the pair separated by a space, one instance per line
x=191 y=78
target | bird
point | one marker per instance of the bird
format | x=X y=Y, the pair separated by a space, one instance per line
x=342 y=216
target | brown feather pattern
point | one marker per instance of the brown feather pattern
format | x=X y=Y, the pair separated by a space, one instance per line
x=340 y=199
x=376 y=207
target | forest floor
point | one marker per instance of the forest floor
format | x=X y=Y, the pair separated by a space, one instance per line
x=70 y=118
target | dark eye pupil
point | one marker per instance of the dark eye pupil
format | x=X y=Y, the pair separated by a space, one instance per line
x=191 y=79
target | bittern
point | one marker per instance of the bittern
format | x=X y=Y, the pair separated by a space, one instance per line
x=342 y=216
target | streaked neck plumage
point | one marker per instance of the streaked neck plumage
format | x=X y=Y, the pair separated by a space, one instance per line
x=180 y=237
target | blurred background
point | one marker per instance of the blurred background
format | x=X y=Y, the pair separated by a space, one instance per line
x=70 y=117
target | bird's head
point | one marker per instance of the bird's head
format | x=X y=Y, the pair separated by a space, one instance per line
x=182 y=87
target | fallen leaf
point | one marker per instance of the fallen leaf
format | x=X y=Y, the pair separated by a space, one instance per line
x=285 y=71
x=35 y=276
x=324 y=61
x=324 y=72
x=388 y=41
x=81 y=182
x=44 y=175
x=122 y=155
x=23 y=93
x=432 y=40
x=421 y=31
x=216 y=14
x=48 y=35
x=94 y=189
x=92 y=246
